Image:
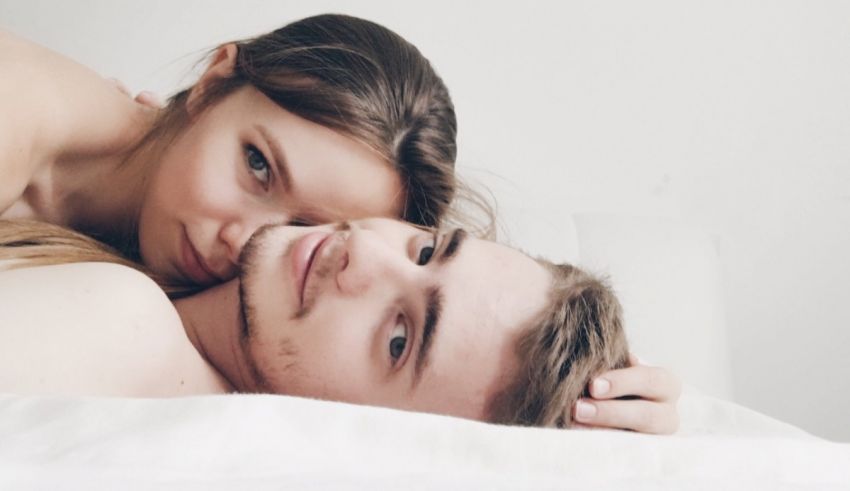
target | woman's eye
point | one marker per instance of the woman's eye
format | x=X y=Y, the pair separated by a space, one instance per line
x=426 y=252
x=258 y=165
x=398 y=340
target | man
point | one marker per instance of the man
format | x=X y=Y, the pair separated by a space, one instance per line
x=374 y=312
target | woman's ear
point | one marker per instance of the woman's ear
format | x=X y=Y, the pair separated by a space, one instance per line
x=220 y=67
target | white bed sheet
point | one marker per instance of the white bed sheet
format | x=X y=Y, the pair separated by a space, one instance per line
x=277 y=442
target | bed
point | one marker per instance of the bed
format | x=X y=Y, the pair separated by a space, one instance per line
x=278 y=442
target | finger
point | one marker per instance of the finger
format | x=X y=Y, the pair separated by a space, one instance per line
x=149 y=99
x=653 y=383
x=120 y=86
x=636 y=415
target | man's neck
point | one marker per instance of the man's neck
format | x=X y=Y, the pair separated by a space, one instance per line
x=211 y=319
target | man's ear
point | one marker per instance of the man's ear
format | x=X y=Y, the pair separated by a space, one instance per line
x=220 y=67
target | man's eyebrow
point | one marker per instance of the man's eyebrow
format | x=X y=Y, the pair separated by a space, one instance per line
x=434 y=306
x=278 y=157
x=453 y=245
x=433 y=309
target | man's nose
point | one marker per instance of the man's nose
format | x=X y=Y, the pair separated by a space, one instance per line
x=368 y=260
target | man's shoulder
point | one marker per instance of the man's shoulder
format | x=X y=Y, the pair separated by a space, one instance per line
x=86 y=328
x=114 y=290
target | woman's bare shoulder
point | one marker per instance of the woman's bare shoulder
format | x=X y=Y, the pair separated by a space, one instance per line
x=17 y=127
x=55 y=108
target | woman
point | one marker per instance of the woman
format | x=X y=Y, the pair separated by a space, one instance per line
x=326 y=118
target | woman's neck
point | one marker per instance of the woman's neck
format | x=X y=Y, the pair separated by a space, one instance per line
x=101 y=196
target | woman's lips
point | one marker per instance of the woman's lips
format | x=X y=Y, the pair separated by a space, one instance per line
x=302 y=259
x=193 y=264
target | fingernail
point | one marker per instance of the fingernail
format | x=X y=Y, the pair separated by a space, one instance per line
x=599 y=387
x=585 y=411
x=151 y=97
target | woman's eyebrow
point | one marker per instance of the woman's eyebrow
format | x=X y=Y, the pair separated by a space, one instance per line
x=278 y=157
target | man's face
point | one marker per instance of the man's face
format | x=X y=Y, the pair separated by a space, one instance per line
x=382 y=313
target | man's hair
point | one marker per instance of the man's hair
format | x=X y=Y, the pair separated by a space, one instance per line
x=578 y=336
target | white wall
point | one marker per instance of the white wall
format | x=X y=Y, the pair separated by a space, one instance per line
x=731 y=115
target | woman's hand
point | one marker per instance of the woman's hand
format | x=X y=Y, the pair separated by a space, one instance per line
x=650 y=407
x=145 y=98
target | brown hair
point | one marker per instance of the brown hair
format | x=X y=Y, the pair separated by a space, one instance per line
x=29 y=243
x=356 y=77
x=578 y=336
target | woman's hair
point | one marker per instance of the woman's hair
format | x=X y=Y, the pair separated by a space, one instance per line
x=28 y=243
x=578 y=336
x=358 y=78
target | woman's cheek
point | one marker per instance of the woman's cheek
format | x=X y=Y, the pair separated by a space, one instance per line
x=212 y=185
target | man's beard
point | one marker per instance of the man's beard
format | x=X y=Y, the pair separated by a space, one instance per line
x=247 y=312
x=248 y=266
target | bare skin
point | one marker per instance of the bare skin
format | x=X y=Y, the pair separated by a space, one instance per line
x=47 y=136
x=99 y=338
x=241 y=163
x=95 y=329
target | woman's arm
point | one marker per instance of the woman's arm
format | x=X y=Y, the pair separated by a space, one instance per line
x=52 y=108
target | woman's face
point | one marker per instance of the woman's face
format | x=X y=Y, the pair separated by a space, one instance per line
x=246 y=162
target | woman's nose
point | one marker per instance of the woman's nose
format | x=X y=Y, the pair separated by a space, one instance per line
x=234 y=234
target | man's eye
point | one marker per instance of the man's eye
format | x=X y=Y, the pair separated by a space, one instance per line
x=301 y=222
x=426 y=252
x=398 y=340
x=258 y=165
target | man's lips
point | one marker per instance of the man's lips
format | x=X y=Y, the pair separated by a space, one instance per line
x=193 y=264
x=303 y=254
